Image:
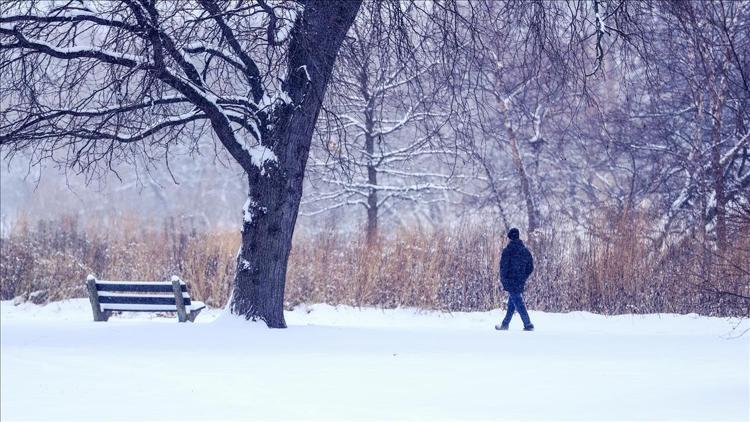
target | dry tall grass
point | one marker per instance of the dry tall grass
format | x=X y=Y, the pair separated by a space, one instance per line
x=613 y=270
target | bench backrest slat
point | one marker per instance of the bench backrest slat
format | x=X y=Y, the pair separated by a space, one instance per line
x=185 y=295
x=137 y=307
x=143 y=300
x=142 y=287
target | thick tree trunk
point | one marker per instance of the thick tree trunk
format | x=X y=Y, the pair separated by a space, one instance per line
x=266 y=242
x=270 y=212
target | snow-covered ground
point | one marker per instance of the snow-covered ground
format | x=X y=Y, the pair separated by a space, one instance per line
x=366 y=364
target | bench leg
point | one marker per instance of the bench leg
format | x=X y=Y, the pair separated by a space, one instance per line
x=193 y=315
x=99 y=315
x=177 y=290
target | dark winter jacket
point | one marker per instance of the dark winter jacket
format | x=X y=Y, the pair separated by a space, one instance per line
x=516 y=265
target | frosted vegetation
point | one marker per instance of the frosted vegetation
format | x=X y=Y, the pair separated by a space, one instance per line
x=452 y=269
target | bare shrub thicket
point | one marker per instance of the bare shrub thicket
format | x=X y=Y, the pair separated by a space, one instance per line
x=56 y=255
x=614 y=270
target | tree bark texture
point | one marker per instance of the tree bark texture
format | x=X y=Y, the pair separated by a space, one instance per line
x=275 y=191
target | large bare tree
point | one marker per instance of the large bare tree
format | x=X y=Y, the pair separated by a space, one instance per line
x=92 y=83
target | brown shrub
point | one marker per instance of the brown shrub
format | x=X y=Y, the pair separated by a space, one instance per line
x=611 y=270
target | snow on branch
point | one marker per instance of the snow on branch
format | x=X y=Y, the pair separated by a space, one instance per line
x=122 y=72
x=74 y=52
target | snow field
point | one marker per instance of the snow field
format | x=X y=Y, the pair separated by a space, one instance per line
x=366 y=364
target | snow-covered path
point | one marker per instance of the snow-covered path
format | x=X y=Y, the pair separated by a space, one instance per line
x=352 y=364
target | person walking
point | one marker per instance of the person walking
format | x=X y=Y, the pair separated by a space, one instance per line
x=516 y=265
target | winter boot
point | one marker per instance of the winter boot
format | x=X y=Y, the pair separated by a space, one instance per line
x=501 y=327
x=529 y=327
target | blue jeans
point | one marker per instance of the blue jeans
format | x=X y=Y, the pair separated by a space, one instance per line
x=515 y=303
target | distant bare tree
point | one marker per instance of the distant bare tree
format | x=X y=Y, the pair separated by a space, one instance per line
x=676 y=124
x=381 y=135
x=714 y=138
x=525 y=98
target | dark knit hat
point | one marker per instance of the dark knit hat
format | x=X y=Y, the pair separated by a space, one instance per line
x=513 y=234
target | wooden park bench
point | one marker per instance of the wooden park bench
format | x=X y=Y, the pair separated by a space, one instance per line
x=141 y=296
